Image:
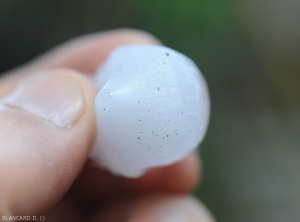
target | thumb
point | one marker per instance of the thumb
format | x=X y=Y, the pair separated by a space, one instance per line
x=47 y=127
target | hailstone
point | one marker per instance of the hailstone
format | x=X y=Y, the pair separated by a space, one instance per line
x=152 y=109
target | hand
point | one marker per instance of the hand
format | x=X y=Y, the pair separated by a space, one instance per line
x=43 y=154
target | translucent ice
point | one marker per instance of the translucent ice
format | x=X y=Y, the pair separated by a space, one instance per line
x=152 y=109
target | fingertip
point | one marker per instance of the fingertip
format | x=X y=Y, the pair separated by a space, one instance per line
x=87 y=52
x=95 y=184
x=165 y=208
x=48 y=127
x=181 y=177
x=135 y=36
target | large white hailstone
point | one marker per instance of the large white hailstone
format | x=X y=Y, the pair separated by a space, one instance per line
x=152 y=109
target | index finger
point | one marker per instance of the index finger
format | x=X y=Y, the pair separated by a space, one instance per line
x=84 y=53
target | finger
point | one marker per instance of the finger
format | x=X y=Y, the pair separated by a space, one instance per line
x=83 y=53
x=47 y=127
x=181 y=177
x=95 y=184
x=87 y=52
x=159 y=208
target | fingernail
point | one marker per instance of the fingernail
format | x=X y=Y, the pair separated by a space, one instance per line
x=50 y=95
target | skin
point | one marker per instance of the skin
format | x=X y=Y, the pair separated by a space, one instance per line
x=61 y=184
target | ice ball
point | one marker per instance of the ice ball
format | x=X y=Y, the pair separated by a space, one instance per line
x=152 y=109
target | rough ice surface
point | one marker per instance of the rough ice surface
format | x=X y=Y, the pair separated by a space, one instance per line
x=152 y=109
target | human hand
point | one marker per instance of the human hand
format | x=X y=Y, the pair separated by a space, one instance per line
x=47 y=129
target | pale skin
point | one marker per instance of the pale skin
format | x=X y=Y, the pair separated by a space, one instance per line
x=44 y=168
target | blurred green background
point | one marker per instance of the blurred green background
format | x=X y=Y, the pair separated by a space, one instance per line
x=249 y=53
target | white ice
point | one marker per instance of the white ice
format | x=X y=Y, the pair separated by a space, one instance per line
x=152 y=109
